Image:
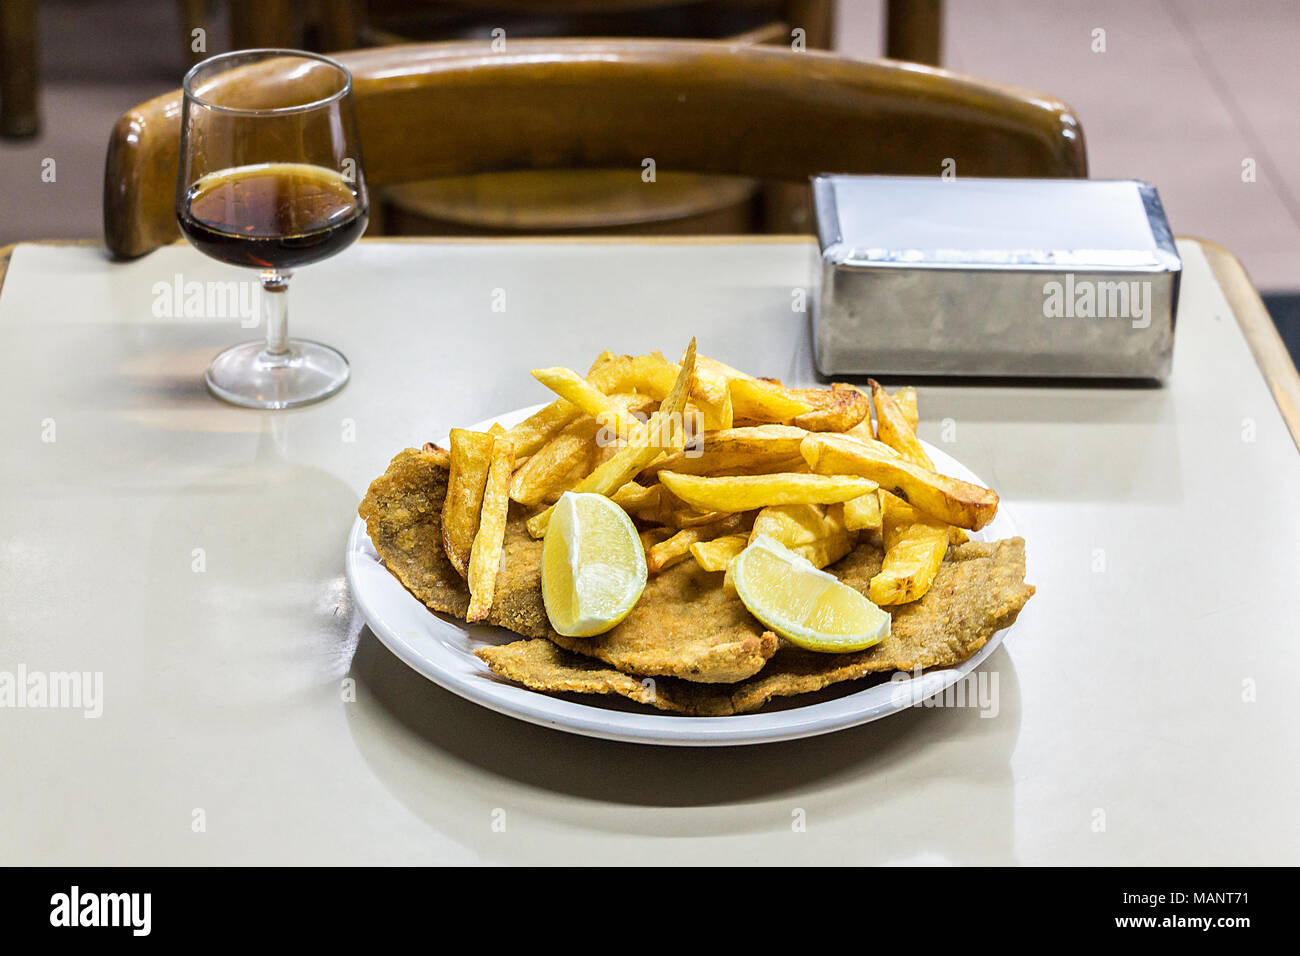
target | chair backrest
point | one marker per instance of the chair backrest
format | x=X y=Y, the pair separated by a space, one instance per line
x=444 y=109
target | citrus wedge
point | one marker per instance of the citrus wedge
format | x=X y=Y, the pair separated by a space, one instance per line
x=808 y=607
x=593 y=565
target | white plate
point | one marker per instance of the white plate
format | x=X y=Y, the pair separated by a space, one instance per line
x=441 y=648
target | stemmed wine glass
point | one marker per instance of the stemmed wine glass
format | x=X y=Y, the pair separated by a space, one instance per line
x=270 y=178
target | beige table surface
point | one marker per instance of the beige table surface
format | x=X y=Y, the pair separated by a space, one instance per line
x=1145 y=696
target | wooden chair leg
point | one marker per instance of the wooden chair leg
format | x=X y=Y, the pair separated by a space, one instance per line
x=914 y=30
x=18 y=65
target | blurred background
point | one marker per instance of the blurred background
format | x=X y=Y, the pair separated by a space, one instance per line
x=1196 y=96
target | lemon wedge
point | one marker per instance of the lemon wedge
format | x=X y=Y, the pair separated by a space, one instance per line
x=806 y=606
x=593 y=565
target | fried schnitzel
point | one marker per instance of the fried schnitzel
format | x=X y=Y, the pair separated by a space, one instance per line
x=706 y=654
x=683 y=626
x=979 y=590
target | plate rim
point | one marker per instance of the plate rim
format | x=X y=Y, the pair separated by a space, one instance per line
x=653 y=728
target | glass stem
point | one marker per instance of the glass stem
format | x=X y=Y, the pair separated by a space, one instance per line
x=275 y=306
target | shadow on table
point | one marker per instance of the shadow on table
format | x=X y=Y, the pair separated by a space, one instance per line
x=927 y=783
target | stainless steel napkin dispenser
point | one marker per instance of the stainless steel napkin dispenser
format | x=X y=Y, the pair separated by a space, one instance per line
x=1010 y=277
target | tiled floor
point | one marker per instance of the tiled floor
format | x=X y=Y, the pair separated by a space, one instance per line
x=1184 y=92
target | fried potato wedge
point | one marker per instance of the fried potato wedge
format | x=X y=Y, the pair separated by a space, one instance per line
x=948 y=499
x=572 y=387
x=645 y=444
x=655 y=376
x=836 y=409
x=910 y=564
x=753 y=449
x=717 y=554
x=440 y=454
x=818 y=532
x=489 y=541
x=639 y=501
x=541 y=426
x=762 y=400
x=677 y=548
x=471 y=457
x=549 y=470
x=905 y=399
x=747 y=492
x=863 y=512
x=894 y=429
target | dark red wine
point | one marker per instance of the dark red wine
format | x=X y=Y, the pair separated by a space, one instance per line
x=272 y=216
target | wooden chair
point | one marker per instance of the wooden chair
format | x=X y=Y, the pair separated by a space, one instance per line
x=589 y=201
x=449 y=109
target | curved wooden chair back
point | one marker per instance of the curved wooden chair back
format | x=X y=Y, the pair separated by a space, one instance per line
x=445 y=109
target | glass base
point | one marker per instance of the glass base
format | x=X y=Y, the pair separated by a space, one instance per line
x=248 y=375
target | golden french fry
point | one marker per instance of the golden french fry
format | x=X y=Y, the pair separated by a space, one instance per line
x=485 y=554
x=547 y=471
x=948 y=499
x=818 y=532
x=470 y=458
x=753 y=449
x=914 y=548
x=910 y=564
x=639 y=501
x=897 y=515
x=893 y=429
x=604 y=358
x=667 y=553
x=541 y=426
x=834 y=409
x=439 y=453
x=863 y=512
x=645 y=444
x=761 y=400
x=715 y=555
x=747 y=492
x=655 y=376
x=905 y=399
x=571 y=386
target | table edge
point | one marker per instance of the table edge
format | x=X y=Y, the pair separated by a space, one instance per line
x=1266 y=345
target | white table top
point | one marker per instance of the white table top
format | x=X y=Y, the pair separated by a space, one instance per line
x=1144 y=708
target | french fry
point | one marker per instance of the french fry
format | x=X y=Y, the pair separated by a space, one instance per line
x=485 y=554
x=897 y=514
x=639 y=501
x=747 y=492
x=905 y=399
x=604 y=358
x=753 y=449
x=894 y=430
x=547 y=470
x=470 y=458
x=914 y=548
x=910 y=564
x=571 y=386
x=655 y=376
x=715 y=555
x=836 y=409
x=645 y=444
x=818 y=532
x=863 y=512
x=761 y=400
x=948 y=499
x=677 y=548
x=439 y=453
x=541 y=426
